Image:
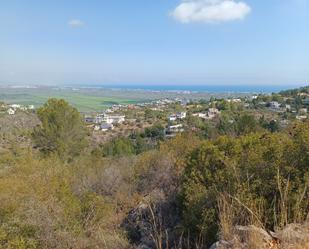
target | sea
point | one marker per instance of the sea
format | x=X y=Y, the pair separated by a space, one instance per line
x=201 y=88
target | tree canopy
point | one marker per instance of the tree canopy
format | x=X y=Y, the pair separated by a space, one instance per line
x=61 y=131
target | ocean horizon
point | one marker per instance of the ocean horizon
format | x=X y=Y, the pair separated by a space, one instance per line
x=198 y=88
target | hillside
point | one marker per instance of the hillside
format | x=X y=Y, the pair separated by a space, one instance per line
x=245 y=187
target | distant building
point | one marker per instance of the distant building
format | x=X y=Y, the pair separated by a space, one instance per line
x=11 y=111
x=200 y=115
x=90 y=120
x=109 y=110
x=303 y=110
x=113 y=119
x=15 y=106
x=172 y=130
x=99 y=118
x=301 y=117
x=106 y=127
x=306 y=101
x=274 y=105
x=302 y=94
x=172 y=117
x=178 y=115
x=212 y=113
x=181 y=115
x=236 y=100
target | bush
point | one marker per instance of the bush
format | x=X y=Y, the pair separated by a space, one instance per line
x=61 y=131
x=118 y=147
x=264 y=173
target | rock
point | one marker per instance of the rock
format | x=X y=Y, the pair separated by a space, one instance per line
x=294 y=235
x=141 y=228
x=222 y=244
x=245 y=231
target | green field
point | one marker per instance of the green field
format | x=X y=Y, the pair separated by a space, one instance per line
x=85 y=100
x=97 y=99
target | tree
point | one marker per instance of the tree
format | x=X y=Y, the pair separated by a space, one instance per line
x=61 y=131
x=118 y=147
x=246 y=124
x=156 y=131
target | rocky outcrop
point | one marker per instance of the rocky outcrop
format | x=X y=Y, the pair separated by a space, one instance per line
x=293 y=236
x=152 y=223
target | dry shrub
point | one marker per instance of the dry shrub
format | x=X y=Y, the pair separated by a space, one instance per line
x=40 y=209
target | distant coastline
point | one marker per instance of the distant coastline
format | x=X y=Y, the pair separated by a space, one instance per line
x=168 y=88
x=196 y=88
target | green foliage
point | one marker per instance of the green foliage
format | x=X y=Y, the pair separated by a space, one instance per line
x=46 y=205
x=62 y=130
x=272 y=125
x=245 y=124
x=150 y=114
x=267 y=173
x=119 y=147
x=261 y=171
x=142 y=145
x=156 y=131
x=226 y=125
x=294 y=92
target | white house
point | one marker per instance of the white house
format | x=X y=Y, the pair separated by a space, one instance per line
x=106 y=127
x=181 y=115
x=172 y=118
x=113 y=119
x=212 y=113
x=175 y=128
x=200 y=115
x=274 y=105
x=234 y=100
x=11 y=111
x=99 y=118
x=15 y=106
x=303 y=110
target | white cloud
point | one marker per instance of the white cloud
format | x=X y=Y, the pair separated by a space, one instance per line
x=75 y=23
x=210 y=11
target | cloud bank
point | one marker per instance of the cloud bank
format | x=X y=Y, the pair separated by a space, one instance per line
x=75 y=23
x=210 y=11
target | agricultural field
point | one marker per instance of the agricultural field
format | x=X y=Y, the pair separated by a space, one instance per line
x=85 y=100
x=97 y=99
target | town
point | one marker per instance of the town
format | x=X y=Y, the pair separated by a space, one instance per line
x=180 y=115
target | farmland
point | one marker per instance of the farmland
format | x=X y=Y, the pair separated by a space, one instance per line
x=84 y=100
x=95 y=99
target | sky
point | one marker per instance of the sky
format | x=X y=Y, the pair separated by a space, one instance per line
x=184 y=42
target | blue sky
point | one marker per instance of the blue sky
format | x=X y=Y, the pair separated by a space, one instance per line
x=208 y=42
